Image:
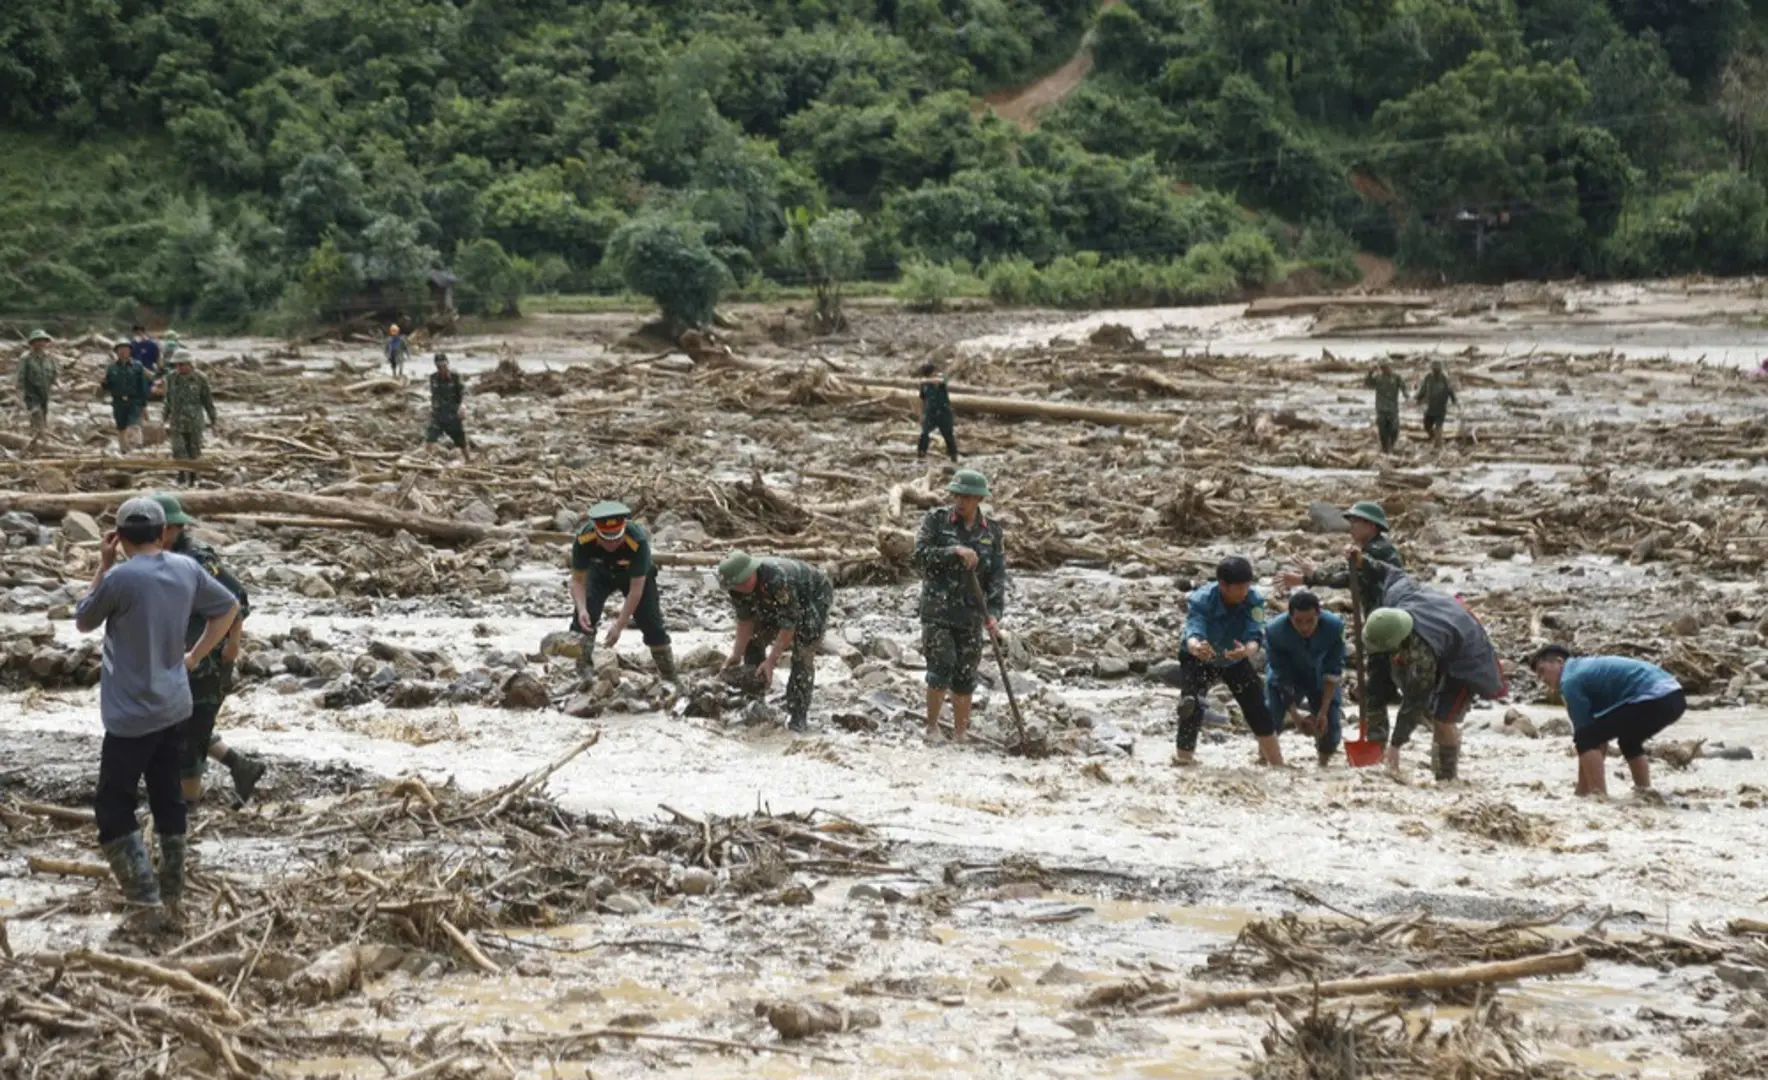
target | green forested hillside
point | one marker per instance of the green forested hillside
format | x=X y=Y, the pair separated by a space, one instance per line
x=230 y=160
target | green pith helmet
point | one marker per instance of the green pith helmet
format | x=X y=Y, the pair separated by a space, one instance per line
x=172 y=337
x=174 y=509
x=38 y=335
x=1386 y=629
x=609 y=508
x=968 y=482
x=122 y=343
x=736 y=569
x=1370 y=512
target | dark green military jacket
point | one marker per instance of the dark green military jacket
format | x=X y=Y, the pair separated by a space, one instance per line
x=127 y=381
x=1436 y=391
x=1337 y=573
x=188 y=398
x=946 y=597
x=209 y=679
x=788 y=595
x=446 y=395
x=1389 y=389
x=936 y=399
x=630 y=560
x=36 y=375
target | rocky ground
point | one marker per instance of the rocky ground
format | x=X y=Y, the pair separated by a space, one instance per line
x=896 y=908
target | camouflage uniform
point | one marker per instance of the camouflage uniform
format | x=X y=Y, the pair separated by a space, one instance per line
x=446 y=394
x=211 y=679
x=1389 y=389
x=36 y=377
x=129 y=388
x=951 y=623
x=1436 y=392
x=788 y=595
x=188 y=400
x=1381 y=691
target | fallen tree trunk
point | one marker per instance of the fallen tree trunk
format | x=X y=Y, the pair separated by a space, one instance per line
x=212 y=999
x=339 y=970
x=1037 y=410
x=250 y=500
x=1559 y=963
x=41 y=864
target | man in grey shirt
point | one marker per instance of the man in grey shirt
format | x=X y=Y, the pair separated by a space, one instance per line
x=144 y=696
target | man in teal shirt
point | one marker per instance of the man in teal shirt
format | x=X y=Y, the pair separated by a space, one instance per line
x=1224 y=631
x=1305 y=649
x=1611 y=697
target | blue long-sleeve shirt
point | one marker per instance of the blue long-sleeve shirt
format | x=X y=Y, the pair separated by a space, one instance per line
x=146 y=352
x=1594 y=686
x=1303 y=664
x=1209 y=618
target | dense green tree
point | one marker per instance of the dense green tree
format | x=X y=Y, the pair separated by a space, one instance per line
x=667 y=259
x=826 y=249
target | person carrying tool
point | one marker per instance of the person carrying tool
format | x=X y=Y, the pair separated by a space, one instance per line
x=212 y=679
x=1436 y=392
x=1370 y=544
x=129 y=389
x=1389 y=389
x=782 y=605
x=447 y=391
x=954 y=544
x=1304 y=668
x=37 y=373
x=936 y=412
x=1224 y=632
x=1442 y=660
x=144 y=695
x=1611 y=698
x=612 y=555
x=397 y=350
x=188 y=400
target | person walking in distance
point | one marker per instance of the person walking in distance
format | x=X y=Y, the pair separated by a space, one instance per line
x=188 y=401
x=936 y=413
x=398 y=349
x=37 y=373
x=1437 y=393
x=129 y=389
x=1389 y=389
x=144 y=694
x=447 y=393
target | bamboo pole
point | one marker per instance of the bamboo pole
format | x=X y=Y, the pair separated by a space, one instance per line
x=1559 y=963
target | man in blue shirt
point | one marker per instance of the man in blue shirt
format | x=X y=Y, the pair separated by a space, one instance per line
x=1224 y=631
x=1303 y=671
x=1611 y=697
x=144 y=350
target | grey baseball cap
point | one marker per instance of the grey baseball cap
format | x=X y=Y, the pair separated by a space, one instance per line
x=141 y=510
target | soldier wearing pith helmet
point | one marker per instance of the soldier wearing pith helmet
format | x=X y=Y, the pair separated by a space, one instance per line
x=612 y=555
x=958 y=550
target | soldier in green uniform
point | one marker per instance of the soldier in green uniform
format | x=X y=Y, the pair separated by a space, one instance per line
x=36 y=378
x=169 y=353
x=1370 y=549
x=955 y=545
x=612 y=555
x=1389 y=389
x=1436 y=392
x=936 y=413
x=129 y=388
x=783 y=603
x=212 y=679
x=188 y=401
x=447 y=391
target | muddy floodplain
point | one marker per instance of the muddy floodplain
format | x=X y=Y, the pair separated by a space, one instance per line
x=464 y=864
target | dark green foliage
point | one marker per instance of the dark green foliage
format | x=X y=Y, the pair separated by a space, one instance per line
x=216 y=159
x=667 y=259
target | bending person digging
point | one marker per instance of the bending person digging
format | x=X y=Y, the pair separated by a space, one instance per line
x=1224 y=631
x=952 y=544
x=1611 y=697
x=782 y=605
x=1442 y=660
x=612 y=556
x=1304 y=670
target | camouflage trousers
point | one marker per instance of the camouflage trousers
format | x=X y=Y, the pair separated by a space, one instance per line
x=187 y=441
x=954 y=653
x=803 y=677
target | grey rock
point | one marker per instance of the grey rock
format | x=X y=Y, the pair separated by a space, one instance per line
x=524 y=691
x=1327 y=518
x=566 y=521
x=20 y=524
x=1166 y=672
x=477 y=513
x=1111 y=667
x=1061 y=974
x=314 y=587
x=80 y=527
x=696 y=881
x=343 y=693
x=285 y=684
x=329 y=665
x=563 y=643
x=26 y=598
x=624 y=903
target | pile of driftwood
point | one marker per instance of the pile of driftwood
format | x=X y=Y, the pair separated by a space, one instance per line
x=405 y=876
x=1489 y=1043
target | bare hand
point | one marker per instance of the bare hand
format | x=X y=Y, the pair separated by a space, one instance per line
x=967 y=556
x=613 y=637
x=583 y=621
x=1240 y=651
x=1201 y=649
x=191 y=661
x=993 y=627
x=1292 y=579
x=1352 y=553
x=1391 y=757
x=764 y=674
x=1306 y=566
x=1298 y=716
x=108 y=548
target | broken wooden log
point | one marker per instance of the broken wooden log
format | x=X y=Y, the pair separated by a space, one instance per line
x=341 y=969
x=1559 y=963
x=1024 y=407
x=211 y=998
x=41 y=864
